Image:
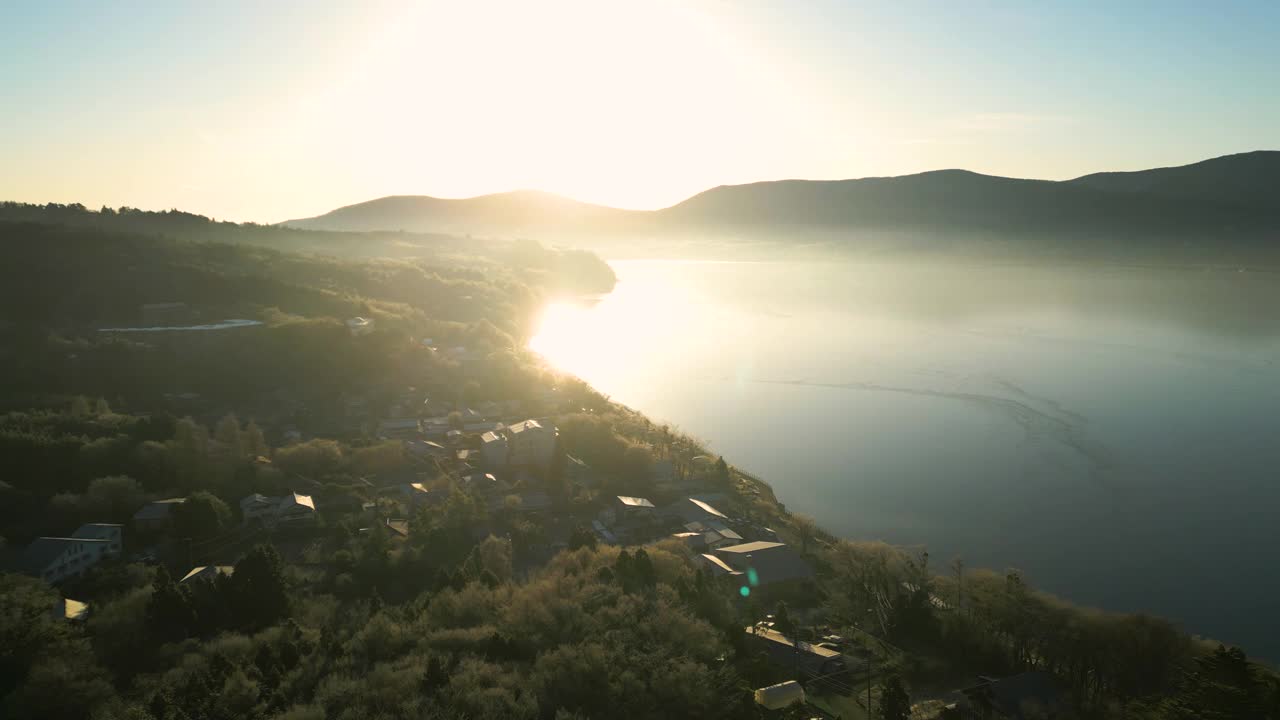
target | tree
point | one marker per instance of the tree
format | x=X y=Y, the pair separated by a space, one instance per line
x=228 y=435
x=782 y=621
x=202 y=515
x=79 y=406
x=722 y=471
x=313 y=458
x=582 y=537
x=101 y=407
x=806 y=530
x=455 y=420
x=495 y=556
x=114 y=498
x=259 y=596
x=637 y=469
x=895 y=704
x=255 y=444
x=171 y=612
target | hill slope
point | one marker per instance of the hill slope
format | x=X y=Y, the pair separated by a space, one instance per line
x=1232 y=196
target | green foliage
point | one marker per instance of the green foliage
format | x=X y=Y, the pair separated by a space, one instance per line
x=259 y=596
x=202 y=515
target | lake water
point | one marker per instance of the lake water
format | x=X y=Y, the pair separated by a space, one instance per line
x=1112 y=432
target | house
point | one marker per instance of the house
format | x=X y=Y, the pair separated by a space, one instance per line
x=258 y=509
x=418 y=494
x=102 y=531
x=627 y=507
x=292 y=509
x=399 y=427
x=770 y=561
x=207 y=573
x=801 y=657
x=397 y=528
x=68 y=609
x=1027 y=696
x=716 y=567
x=359 y=326
x=425 y=449
x=453 y=437
x=55 y=559
x=157 y=515
x=494 y=449
x=715 y=534
x=532 y=444
x=295 y=509
x=691 y=510
x=694 y=541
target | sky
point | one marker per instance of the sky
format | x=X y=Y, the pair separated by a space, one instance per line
x=267 y=111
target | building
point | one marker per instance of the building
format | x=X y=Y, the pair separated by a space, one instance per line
x=691 y=510
x=157 y=515
x=1027 y=696
x=694 y=541
x=292 y=509
x=68 y=609
x=771 y=562
x=532 y=444
x=716 y=567
x=54 y=559
x=494 y=449
x=625 y=506
x=805 y=659
x=399 y=428
x=295 y=509
x=360 y=326
x=425 y=449
x=207 y=573
x=112 y=533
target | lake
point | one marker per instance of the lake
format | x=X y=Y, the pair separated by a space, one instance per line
x=1110 y=431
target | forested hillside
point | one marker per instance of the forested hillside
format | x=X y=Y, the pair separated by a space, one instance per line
x=426 y=579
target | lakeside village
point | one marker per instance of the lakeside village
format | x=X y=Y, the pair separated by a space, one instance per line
x=501 y=471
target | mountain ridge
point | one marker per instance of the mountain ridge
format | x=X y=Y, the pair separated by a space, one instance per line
x=1234 y=194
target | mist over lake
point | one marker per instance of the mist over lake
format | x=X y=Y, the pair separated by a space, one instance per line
x=1110 y=431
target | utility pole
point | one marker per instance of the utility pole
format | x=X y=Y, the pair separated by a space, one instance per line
x=868 y=687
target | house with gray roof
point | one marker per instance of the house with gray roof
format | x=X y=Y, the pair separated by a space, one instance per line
x=54 y=559
x=111 y=532
x=772 y=562
x=157 y=515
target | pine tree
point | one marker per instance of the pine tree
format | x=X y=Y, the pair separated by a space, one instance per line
x=258 y=590
x=895 y=704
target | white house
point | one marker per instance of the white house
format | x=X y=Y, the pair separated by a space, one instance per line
x=102 y=531
x=55 y=559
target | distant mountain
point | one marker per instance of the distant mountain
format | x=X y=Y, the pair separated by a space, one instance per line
x=1247 y=180
x=501 y=213
x=1236 y=195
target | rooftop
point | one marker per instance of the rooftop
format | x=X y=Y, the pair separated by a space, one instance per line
x=96 y=531
x=635 y=501
x=207 y=572
x=158 y=510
